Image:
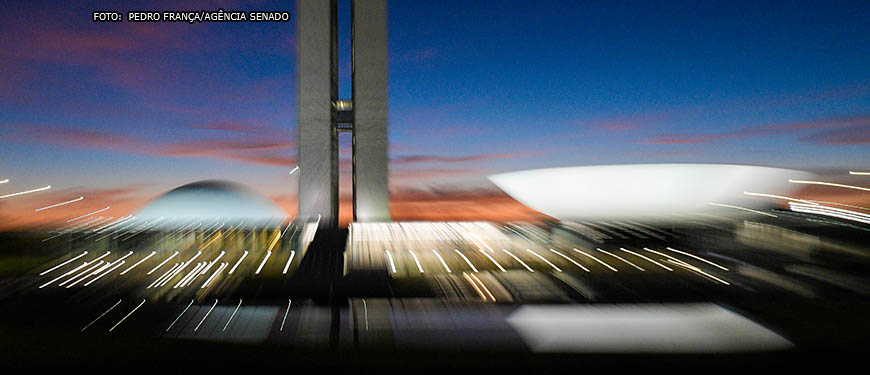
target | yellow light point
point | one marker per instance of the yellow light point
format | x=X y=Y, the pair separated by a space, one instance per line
x=390 y=260
x=127 y=316
x=473 y=268
x=417 y=261
x=823 y=183
x=647 y=259
x=24 y=192
x=621 y=258
x=471 y=281
x=777 y=197
x=59 y=204
x=518 y=260
x=443 y=263
x=596 y=259
x=482 y=285
x=697 y=257
x=742 y=209
x=545 y=260
x=570 y=260
x=162 y=263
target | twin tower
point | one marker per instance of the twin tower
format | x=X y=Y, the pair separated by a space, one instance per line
x=322 y=115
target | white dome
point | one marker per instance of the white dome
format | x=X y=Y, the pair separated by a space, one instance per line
x=644 y=191
x=211 y=201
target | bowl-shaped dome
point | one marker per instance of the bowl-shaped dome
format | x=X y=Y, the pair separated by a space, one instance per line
x=210 y=201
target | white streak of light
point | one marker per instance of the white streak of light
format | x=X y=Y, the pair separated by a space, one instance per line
x=62 y=264
x=697 y=270
x=263 y=263
x=238 y=262
x=25 y=192
x=621 y=258
x=159 y=279
x=59 y=204
x=647 y=258
x=482 y=285
x=419 y=267
x=390 y=260
x=294 y=170
x=850 y=172
x=179 y=315
x=777 y=197
x=742 y=209
x=101 y=315
x=545 y=260
x=596 y=259
x=85 y=272
x=4 y=181
x=290 y=260
x=127 y=316
x=104 y=274
x=831 y=211
x=473 y=284
x=86 y=215
x=189 y=275
x=139 y=262
x=85 y=264
x=820 y=183
x=570 y=260
x=519 y=260
x=216 y=272
x=491 y=259
x=443 y=263
x=473 y=268
x=289 y=301
x=231 y=316
x=697 y=257
x=206 y=315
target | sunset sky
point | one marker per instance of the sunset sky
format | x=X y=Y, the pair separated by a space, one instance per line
x=121 y=112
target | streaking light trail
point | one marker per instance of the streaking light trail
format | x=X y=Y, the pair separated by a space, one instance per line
x=206 y=315
x=62 y=264
x=417 y=261
x=263 y=263
x=162 y=263
x=596 y=259
x=777 y=197
x=443 y=263
x=59 y=204
x=86 y=215
x=24 y=192
x=820 y=183
x=570 y=260
x=647 y=259
x=850 y=172
x=518 y=260
x=622 y=259
x=390 y=260
x=139 y=262
x=697 y=257
x=101 y=315
x=545 y=260
x=127 y=316
x=238 y=262
x=473 y=268
x=742 y=209
x=290 y=260
x=179 y=315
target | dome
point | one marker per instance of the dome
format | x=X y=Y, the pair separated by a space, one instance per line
x=644 y=191
x=211 y=201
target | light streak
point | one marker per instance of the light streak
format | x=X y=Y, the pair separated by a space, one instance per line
x=647 y=258
x=238 y=262
x=820 y=183
x=86 y=215
x=287 y=266
x=476 y=289
x=697 y=257
x=519 y=260
x=263 y=263
x=742 y=209
x=473 y=268
x=159 y=279
x=85 y=264
x=139 y=262
x=697 y=270
x=127 y=316
x=25 y=192
x=213 y=275
x=491 y=259
x=621 y=258
x=545 y=260
x=104 y=274
x=59 y=204
x=85 y=272
x=443 y=263
x=189 y=275
x=831 y=211
x=232 y=315
x=482 y=285
x=116 y=222
x=179 y=315
x=4 y=181
x=390 y=260
x=850 y=172
x=62 y=264
x=417 y=261
x=570 y=260
x=289 y=301
x=275 y=240
x=101 y=315
x=162 y=263
x=777 y=197
x=596 y=259
x=294 y=170
x=206 y=315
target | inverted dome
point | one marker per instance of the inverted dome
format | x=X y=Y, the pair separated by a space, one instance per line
x=644 y=191
x=210 y=201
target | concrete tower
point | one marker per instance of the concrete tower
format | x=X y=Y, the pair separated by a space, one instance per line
x=322 y=115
